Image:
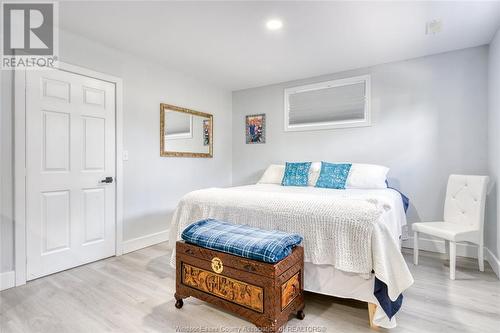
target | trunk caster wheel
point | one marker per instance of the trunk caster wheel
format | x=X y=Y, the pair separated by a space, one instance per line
x=179 y=303
x=301 y=315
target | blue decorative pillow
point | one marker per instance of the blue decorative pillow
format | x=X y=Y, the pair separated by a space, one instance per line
x=333 y=175
x=296 y=174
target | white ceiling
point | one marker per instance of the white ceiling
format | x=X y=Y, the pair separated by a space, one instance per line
x=228 y=44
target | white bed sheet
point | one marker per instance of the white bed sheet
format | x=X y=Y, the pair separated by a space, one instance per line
x=396 y=216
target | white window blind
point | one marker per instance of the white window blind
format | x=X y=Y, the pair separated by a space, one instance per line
x=339 y=103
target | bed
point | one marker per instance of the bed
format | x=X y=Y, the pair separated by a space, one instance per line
x=348 y=234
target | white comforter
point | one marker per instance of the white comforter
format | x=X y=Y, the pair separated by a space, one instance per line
x=342 y=228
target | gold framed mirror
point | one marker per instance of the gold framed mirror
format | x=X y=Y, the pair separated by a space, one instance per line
x=185 y=132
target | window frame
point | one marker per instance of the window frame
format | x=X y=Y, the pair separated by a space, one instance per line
x=366 y=121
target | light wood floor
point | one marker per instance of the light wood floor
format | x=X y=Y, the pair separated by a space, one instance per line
x=133 y=293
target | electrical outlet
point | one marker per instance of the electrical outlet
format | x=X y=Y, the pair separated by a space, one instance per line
x=433 y=27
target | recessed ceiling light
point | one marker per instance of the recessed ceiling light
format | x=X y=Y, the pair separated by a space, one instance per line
x=274 y=24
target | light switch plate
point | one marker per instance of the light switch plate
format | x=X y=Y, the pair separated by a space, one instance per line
x=125 y=155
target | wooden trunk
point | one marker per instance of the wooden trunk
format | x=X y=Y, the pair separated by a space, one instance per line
x=264 y=294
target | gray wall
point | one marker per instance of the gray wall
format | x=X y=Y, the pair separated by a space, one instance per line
x=492 y=237
x=153 y=185
x=429 y=120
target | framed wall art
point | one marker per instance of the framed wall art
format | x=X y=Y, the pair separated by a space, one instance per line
x=255 y=128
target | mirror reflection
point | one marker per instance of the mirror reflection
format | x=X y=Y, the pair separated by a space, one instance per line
x=185 y=133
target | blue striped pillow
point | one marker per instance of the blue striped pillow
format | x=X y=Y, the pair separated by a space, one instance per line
x=333 y=175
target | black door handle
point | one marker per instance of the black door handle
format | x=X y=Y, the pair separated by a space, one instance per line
x=107 y=180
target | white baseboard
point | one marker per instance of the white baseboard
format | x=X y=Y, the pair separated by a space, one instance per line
x=439 y=246
x=463 y=250
x=7 y=280
x=144 y=241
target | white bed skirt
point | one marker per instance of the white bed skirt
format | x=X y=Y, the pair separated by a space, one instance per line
x=327 y=280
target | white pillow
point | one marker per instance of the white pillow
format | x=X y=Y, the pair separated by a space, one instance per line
x=314 y=172
x=272 y=175
x=360 y=176
x=367 y=176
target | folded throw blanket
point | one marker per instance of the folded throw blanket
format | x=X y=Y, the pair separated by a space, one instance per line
x=269 y=246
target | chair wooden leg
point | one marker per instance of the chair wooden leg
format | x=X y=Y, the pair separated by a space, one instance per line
x=453 y=259
x=371 y=314
x=480 y=257
x=415 y=248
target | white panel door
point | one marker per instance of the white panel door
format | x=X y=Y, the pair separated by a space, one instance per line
x=70 y=150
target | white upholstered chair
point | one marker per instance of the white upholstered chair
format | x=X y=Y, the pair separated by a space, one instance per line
x=463 y=217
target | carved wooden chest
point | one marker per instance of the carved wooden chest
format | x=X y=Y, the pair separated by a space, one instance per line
x=265 y=294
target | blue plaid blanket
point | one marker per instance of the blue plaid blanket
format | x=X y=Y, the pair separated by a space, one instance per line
x=241 y=240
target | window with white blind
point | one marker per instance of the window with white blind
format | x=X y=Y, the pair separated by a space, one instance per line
x=331 y=104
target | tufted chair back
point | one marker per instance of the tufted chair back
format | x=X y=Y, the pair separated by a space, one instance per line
x=465 y=200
